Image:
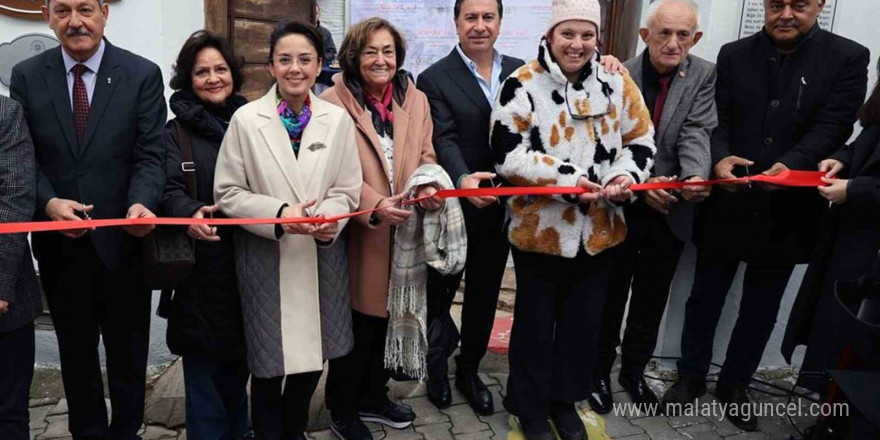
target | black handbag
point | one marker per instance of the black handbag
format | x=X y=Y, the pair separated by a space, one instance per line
x=169 y=253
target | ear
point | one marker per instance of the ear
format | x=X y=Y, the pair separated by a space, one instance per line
x=697 y=37
x=46 y=16
x=106 y=11
x=644 y=33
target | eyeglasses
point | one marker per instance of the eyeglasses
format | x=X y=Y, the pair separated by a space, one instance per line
x=580 y=117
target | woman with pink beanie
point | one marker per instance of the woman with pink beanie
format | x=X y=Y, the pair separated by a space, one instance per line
x=560 y=120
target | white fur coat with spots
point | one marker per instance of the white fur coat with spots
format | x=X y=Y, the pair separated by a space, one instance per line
x=536 y=142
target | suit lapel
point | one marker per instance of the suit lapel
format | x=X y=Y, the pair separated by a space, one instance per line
x=462 y=76
x=278 y=142
x=401 y=127
x=105 y=84
x=56 y=84
x=507 y=67
x=676 y=93
x=313 y=149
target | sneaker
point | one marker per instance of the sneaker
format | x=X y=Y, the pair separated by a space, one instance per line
x=350 y=428
x=389 y=414
x=739 y=398
x=568 y=423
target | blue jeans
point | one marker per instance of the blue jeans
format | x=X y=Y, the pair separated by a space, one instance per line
x=216 y=398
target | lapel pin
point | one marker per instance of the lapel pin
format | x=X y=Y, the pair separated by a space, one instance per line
x=681 y=74
x=317 y=146
x=109 y=80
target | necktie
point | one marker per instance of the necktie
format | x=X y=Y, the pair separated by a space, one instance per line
x=661 y=100
x=80 y=103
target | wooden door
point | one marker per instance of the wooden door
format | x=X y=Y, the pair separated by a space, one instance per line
x=248 y=24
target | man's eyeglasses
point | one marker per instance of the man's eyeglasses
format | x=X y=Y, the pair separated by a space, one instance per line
x=580 y=117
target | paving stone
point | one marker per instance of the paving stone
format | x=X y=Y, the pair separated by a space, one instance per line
x=487 y=379
x=157 y=432
x=703 y=431
x=374 y=427
x=635 y=437
x=43 y=402
x=502 y=380
x=35 y=433
x=60 y=408
x=682 y=421
x=457 y=397
x=618 y=426
x=658 y=428
x=407 y=390
x=499 y=423
x=482 y=435
x=38 y=416
x=463 y=419
x=402 y=434
x=182 y=435
x=426 y=412
x=776 y=428
x=57 y=428
x=723 y=426
x=322 y=435
x=497 y=398
x=439 y=431
x=747 y=436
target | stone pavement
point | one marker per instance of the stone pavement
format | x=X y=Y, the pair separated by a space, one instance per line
x=458 y=422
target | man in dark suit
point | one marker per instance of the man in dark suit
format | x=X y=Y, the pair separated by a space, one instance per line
x=96 y=114
x=679 y=90
x=787 y=97
x=461 y=89
x=20 y=300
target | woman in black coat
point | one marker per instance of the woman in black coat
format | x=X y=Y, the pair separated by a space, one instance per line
x=204 y=319
x=847 y=249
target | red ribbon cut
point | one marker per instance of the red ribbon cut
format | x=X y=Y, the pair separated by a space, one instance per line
x=785 y=178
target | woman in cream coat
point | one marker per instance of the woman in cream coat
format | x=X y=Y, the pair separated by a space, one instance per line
x=288 y=154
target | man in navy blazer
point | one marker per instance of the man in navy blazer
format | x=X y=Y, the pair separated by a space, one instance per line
x=96 y=114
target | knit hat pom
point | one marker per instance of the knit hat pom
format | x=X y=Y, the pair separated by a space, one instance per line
x=586 y=10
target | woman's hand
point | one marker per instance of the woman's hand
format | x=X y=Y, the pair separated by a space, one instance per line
x=618 y=190
x=203 y=232
x=434 y=202
x=325 y=231
x=298 y=211
x=830 y=167
x=835 y=192
x=595 y=192
x=389 y=213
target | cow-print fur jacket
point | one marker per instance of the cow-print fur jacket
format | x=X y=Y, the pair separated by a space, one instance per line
x=536 y=142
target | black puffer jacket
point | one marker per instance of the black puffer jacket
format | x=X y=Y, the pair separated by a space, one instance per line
x=205 y=315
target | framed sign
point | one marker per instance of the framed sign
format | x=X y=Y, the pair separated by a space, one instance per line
x=26 y=9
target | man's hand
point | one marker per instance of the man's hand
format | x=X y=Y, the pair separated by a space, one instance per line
x=595 y=192
x=63 y=209
x=618 y=189
x=203 y=232
x=298 y=211
x=610 y=64
x=431 y=204
x=472 y=181
x=696 y=193
x=658 y=199
x=835 y=192
x=139 y=211
x=4 y=307
x=391 y=215
x=830 y=167
x=724 y=170
x=777 y=168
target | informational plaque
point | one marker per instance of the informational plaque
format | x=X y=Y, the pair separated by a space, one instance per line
x=20 y=49
x=753 y=16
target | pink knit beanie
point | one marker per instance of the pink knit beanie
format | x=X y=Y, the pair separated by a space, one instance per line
x=587 y=10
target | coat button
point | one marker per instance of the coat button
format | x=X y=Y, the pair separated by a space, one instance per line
x=774 y=103
x=768 y=142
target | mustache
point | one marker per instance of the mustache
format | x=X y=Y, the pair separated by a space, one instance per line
x=787 y=23
x=78 y=32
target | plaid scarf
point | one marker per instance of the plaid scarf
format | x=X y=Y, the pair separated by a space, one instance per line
x=437 y=238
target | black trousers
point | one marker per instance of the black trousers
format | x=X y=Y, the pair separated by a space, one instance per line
x=89 y=302
x=358 y=380
x=555 y=329
x=282 y=415
x=645 y=262
x=16 y=374
x=763 y=288
x=488 y=249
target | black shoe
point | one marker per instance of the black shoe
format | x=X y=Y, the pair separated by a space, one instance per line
x=735 y=396
x=568 y=423
x=682 y=392
x=439 y=392
x=600 y=398
x=350 y=428
x=537 y=429
x=634 y=383
x=475 y=391
x=389 y=414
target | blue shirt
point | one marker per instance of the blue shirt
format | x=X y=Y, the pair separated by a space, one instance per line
x=89 y=77
x=490 y=88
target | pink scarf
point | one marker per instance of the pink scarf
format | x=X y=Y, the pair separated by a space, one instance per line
x=384 y=107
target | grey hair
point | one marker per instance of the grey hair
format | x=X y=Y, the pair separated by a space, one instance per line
x=100 y=3
x=655 y=6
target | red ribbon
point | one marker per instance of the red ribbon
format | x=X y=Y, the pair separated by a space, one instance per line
x=785 y=178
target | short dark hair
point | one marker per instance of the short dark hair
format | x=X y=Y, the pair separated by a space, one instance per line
x=181 y=76
x=286 y=28
x=870 y=112
x=356 y=40
x=456 y=10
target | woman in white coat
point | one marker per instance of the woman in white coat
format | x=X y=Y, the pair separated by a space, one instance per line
x=288 y=155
